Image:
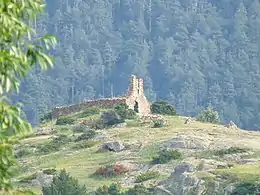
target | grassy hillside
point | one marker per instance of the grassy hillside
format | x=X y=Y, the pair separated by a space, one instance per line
x=214 y=151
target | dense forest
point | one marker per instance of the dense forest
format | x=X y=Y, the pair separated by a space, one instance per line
x=192 y=53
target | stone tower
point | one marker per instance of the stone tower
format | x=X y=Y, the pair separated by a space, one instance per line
x=136 y=99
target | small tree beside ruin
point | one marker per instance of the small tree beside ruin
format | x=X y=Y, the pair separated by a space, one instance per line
x=163 y=107
x=209 y=116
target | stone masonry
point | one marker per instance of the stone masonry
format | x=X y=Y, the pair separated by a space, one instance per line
x=135 y=99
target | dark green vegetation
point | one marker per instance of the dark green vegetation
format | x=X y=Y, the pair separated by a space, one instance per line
x=146 y=176
x=115 y=189
x=124 y=112
x=193 y=54
x=164 y=156
x=64 y=120
x=64 y=184
x=158 y=123
x=231 y=150
x=209 y=116
x=163 y=107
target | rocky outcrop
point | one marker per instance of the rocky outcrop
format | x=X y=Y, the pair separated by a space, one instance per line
x=187 y=142
x=115 y=146
x=44 y=131
x=182 y=181
x=42 y=179
x=189 y=121
x=231 y=125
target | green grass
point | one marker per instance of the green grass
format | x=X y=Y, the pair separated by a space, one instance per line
x=85 y=159
x=80 y=165
x=147 y=153
x=147 y=176
x=240 y=173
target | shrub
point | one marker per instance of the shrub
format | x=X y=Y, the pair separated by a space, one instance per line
x=231 y=150
x=165 y=156
x=107 y=171
x=111 y=170
x=163 y=107
x=64 y=184
x=63 y=120
x=62 y=138
x=246 y=188
x=22 y=152
x=158 y=123
x=48 y=147
x=80 y=128
x=124 y=112
x=85 y=144
x=49 y=171
x=86 y=136
x=139 y=190
x=110 y=118
x=97 y=124
x=88 y=112
x=147 y=176
x=64 y=129
x=120 y=169
x=54 y=145
x=46 y=117
x=209 y=116
x=113 y=189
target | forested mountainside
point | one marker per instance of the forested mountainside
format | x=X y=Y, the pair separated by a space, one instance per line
x=192 y=53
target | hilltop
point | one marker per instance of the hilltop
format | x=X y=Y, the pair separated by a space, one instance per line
x=208 y=157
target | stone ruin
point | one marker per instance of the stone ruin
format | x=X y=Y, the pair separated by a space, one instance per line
x=231 y=125
x=135 y=99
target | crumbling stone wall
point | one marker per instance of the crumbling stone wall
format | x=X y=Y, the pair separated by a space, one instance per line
x=134 y=98
x=101 y=103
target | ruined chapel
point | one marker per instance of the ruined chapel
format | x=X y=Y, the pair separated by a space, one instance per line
x=134 y=98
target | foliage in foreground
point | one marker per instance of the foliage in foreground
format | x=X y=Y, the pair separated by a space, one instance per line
x=163 y=107
x=19 y=52
x=64 y=184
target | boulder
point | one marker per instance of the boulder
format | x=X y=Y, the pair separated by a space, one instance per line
x=182 y=181
x=44 y=131
x=115 y=146
x=121 y=125
x=189 y=121
x=42 y=179
x=187 y=142
x=231 y=125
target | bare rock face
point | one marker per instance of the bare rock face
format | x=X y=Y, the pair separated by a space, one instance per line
x=42 y=179
x=182 y=181
x=231 y=125
x=187 y=142
x=115 y=146
x=189 y=121
x=44 y=131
